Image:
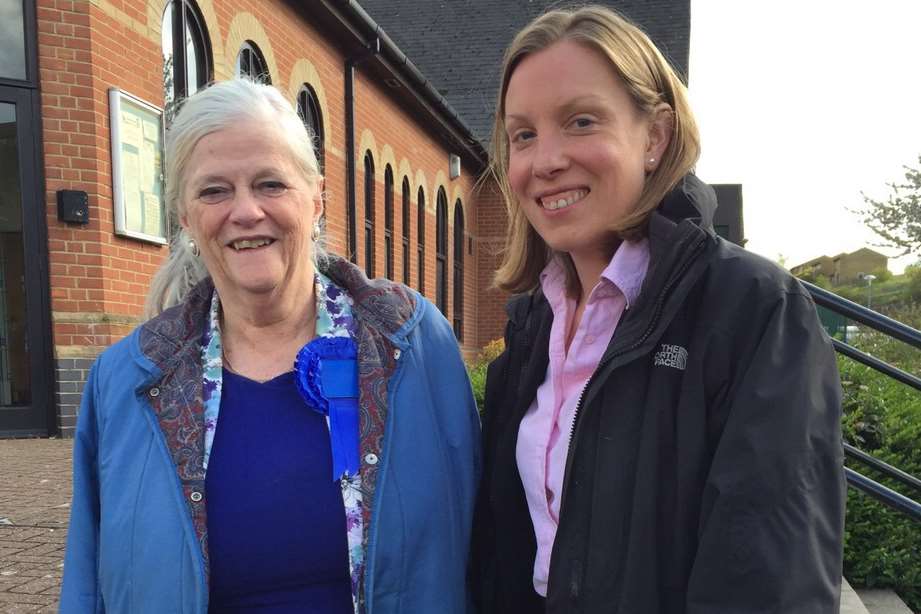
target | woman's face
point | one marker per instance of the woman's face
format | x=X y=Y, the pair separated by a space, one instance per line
x=579 y=150
x=251 y=211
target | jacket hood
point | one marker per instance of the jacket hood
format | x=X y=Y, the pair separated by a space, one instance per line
x=692 y=200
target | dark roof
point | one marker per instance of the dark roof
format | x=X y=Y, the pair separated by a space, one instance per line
x=458 y=44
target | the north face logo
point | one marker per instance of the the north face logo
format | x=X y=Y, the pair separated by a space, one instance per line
x=672 y=356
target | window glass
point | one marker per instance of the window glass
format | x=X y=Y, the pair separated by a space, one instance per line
x=250 y=63
x=193 y=60
x=309 y=110
x=420 y=239
x=405 y=220
x=369 y=216
x=459 y=270
x=12 y=40
x=15 y=382
x=441 y=251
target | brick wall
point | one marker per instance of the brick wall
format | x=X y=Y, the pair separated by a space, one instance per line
x=99 y=280
x=70 y=376
x=491 y=225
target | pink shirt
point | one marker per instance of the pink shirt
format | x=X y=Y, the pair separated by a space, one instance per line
x=543 y=437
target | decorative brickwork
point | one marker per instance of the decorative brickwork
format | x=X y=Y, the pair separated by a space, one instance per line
x=71 y=374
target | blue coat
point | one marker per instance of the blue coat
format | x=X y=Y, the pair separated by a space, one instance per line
x=138 y=533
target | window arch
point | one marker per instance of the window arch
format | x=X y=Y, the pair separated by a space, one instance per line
x=186 y=67
x=406 y=198
x=308 y=107
x=251 y=63
x=441 y=251
x=459 y=270
x=420 y=239
x=369 y=215
x=388 y=222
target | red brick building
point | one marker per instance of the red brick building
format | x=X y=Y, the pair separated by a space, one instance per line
x=77 y=254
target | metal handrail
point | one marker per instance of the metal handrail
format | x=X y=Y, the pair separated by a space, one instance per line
x=885 y=468
x=875 y=363
x=854 y=311
x=896 y=330
x=897 y=501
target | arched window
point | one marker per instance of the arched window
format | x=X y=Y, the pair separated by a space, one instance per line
x=186 y=67
x=420 y=239
x=308 y=107
x=441 y=251
x=388 y=222
x=251 y=63
x=406 y=198
x=369 y=215
x=459 y=270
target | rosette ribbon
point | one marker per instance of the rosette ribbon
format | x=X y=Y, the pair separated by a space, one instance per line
x=327 y=377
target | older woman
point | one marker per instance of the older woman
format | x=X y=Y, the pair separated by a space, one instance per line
x=670 y=442
x=286 y=435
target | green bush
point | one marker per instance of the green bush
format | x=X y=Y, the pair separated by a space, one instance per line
x=882 y=548
x=913 y=273
x=477 y=369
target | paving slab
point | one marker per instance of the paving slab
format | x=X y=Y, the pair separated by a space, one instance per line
x=35 y=492
x=883 y=601
x=850 y=601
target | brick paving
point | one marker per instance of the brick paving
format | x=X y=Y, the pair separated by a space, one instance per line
x=35 y=492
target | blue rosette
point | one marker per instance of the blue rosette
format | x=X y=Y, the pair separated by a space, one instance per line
x=327 y=378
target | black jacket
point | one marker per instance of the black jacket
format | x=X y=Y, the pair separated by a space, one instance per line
x=705 y=465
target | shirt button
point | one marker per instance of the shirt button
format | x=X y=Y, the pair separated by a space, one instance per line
x=590 y=339
x=195 y=496
x=154 y=392
x=371 y=459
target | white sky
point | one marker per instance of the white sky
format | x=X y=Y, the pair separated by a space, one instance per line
x=806 y=104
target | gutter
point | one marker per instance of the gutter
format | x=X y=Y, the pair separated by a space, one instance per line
x=351 y=232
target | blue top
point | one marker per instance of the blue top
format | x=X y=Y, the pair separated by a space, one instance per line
x=276 y=523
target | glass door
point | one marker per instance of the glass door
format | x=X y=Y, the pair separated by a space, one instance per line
x=25 y=366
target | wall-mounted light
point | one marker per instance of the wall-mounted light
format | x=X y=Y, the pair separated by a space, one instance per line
x=454 y=166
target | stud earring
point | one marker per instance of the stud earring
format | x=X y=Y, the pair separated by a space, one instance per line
x=315 y=233
x=652 y=160
x=193 y=247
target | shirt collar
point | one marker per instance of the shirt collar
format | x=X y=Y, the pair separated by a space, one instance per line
x=627 y=269
x=626 y=272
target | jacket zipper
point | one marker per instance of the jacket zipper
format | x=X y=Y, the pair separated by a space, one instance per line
x=575 y=581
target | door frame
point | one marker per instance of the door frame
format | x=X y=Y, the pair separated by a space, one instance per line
x=39 y=418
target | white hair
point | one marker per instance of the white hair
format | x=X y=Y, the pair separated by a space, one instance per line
x=218 y=107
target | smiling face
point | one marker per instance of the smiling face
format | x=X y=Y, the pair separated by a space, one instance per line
x=579 y=149
x=251 y=211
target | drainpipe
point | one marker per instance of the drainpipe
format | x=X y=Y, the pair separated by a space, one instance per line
x=372 y=50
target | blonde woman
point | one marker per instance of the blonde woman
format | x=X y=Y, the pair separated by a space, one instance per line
x=662 y=431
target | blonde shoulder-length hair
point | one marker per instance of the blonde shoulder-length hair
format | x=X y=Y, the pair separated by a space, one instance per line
x=650 y=81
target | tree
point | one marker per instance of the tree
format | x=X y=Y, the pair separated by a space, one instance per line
x=897 y=220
